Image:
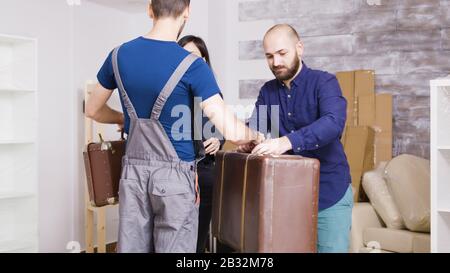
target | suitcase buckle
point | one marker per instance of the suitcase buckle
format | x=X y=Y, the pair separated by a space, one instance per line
x=105 y=145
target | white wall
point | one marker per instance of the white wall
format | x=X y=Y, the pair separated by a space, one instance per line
x=73 y=43
x=48 y=21
x=198 y=21
x=218 y=44
x=225 y=33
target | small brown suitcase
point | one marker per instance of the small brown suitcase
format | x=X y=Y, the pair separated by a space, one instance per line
x=103 y=164
x=266 y=204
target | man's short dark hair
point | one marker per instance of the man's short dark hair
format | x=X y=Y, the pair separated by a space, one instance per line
x=169 y=8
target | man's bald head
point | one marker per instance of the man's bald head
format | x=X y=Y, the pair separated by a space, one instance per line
x=283 y=29
x=283 y=50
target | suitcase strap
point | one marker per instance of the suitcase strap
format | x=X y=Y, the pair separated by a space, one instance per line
x=220 y=197
x=244 y=195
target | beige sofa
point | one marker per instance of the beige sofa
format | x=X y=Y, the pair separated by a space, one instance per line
x=397 y=219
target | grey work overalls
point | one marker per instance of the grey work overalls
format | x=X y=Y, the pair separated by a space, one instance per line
x=158 y=208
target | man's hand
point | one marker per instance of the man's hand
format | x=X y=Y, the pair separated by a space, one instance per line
x=212 y=146
x=260 y=138
x=247 y=148
x=121 y=124
x=276 y=146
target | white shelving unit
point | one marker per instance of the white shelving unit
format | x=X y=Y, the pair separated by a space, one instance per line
x=18 y=146
x=440 y=165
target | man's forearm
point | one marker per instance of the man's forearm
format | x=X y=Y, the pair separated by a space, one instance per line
x=108 y=116
x=233 y=129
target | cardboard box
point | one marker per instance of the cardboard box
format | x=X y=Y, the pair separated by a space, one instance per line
x=347 y=83
x=383 y=147
x=358 y=87
x=383 y=128
x=359 y=149
x=365 y=97
x=344 y=133
x=383 y=117
x=366 y=110
x=364 y=82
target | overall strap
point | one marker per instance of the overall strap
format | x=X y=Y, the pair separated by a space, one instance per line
x=171 y=85
x=126 y=100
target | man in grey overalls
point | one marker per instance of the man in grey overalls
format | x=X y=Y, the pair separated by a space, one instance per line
x=158 y=191
x=156 y=186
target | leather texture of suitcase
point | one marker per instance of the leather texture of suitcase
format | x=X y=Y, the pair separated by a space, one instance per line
x=103 y=164
x=266 y=204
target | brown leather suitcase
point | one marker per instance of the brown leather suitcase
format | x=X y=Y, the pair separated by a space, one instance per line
x=103 y=164
x=266 y=204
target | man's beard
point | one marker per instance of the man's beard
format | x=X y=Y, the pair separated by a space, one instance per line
x=181 y=29
x=283 y=73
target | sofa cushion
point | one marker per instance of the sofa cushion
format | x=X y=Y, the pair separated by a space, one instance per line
x=381 y=199
x=422 y=243
x=363 y=216
x=394 y=240
x=408 y=180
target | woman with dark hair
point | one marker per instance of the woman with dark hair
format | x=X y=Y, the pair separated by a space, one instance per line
x=212 y=145
x=195 y=45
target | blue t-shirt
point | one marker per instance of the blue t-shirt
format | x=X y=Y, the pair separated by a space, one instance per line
x=145 y=67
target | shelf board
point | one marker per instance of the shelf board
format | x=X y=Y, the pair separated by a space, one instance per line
x=444 y=210
x=444 y=82
x=444 y=147
x=92 y=208
x=17 y=141
x=15 y=195
x=11 y=39
x=17 y=246
x=16 y=90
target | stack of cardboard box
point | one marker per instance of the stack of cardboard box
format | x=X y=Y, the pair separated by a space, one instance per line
x=367 y=136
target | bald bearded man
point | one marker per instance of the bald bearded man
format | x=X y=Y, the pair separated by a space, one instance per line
x=312 y=115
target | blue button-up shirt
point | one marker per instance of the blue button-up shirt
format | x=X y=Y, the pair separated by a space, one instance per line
x=312 y=115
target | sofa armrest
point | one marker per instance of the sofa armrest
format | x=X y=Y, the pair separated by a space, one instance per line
x=363 y=216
